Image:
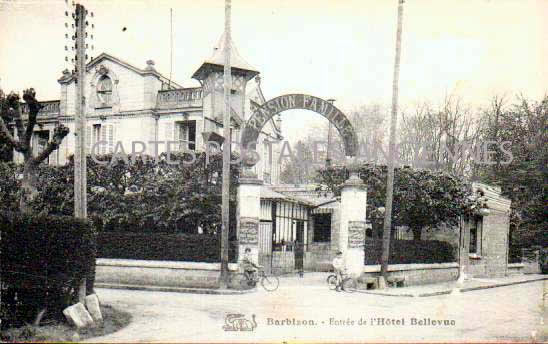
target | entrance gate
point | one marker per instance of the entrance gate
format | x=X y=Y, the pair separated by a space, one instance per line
x=299 y=246
x=250 y=185
x=265 y=246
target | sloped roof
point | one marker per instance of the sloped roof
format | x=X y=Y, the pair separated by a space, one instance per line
x=268 y=193
x=105 y=56
x=217 y=60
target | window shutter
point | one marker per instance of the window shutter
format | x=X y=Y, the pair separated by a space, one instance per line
x=177 y=136
x=185 y=133
x=104 y=135
x=110 y=138
x=168 y=134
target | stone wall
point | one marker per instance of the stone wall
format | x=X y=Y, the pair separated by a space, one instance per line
x=417 y=274
x=492 y=261
x=126 y=272
x=515 y=269
x=495 y=243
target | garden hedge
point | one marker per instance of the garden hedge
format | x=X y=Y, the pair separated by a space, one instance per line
x=162 y=246
x=410 y=252
x=43 y=259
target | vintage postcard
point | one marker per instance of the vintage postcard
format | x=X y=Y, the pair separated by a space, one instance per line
x=274 y=171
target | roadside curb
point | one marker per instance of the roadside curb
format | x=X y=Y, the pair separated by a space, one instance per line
x=384 y=294
x=449 y=291
x=503 y=284
x=175 y=289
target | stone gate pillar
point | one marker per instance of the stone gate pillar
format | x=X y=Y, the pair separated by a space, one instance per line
x=352 y=228
x=248 y=215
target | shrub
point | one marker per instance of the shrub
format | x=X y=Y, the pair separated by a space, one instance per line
x=9 y=185
x=137 y=195
x=43 y=260
x=161 y=246
x=514 y=254
x=410 y=252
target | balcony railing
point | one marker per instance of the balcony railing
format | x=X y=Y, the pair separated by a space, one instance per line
x=179 y=97
x=49 y=108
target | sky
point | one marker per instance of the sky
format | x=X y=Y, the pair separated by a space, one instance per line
x=341 y=49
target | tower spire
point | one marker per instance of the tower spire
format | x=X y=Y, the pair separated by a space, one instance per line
x=216 y=62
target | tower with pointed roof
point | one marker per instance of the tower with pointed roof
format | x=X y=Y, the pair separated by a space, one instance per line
x=210 y=75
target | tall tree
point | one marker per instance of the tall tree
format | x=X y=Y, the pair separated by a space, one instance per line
x=11 y=113
x=302 y=161
x=300 y=164
x=517 y=163
x=440 y=138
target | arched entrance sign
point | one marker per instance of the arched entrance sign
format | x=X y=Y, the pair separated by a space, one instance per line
x=263 y=113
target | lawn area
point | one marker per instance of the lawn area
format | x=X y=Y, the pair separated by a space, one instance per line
x=114 y=320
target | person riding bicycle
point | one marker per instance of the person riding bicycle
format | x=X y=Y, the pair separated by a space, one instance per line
x=248 y=265
x=338 y=266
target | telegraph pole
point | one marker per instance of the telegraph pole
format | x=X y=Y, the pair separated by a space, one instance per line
x=226 y=150
x=80 y=175
x=391 y=152
x=80 y=165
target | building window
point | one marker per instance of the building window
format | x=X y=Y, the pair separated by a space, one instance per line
x=104 y=91
x=322 y=228
x=39 y=142
x=475 y=237
x=186 y=135
x=96 y=133
x=103 y=133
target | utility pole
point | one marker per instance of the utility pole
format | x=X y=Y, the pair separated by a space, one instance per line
x=170 y=47
x=80 y=176
x=226 y=151
x=391 y=152
x=329 y=133
x=80 y=166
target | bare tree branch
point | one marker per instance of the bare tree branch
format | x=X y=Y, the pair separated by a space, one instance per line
x=34 y=106
x=59 y=134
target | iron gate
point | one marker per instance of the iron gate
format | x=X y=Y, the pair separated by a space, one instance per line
x=265 y=246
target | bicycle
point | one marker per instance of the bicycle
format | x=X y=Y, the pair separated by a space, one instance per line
x=245 y=281
x=347 y=284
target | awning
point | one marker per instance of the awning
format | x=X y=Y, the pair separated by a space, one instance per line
x=327 y=208
x=268 y=193
x=322 y=211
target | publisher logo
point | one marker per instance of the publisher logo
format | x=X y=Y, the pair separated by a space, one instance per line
x=238 y=322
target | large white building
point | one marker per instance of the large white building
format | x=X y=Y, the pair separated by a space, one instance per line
x=125 y=104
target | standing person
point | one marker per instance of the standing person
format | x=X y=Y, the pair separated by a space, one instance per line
x=338 y=266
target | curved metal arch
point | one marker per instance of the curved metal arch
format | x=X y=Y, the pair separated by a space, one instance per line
x=263 y=113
